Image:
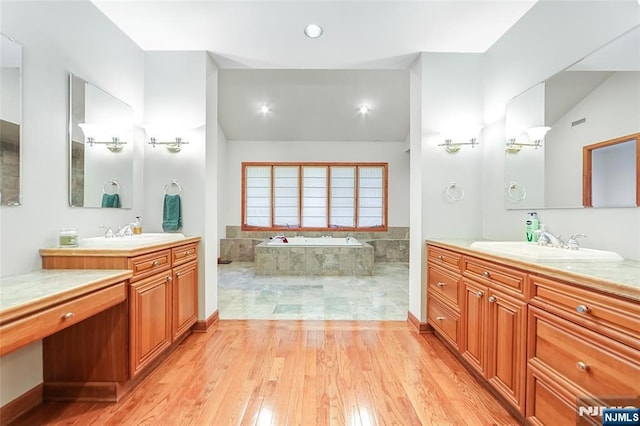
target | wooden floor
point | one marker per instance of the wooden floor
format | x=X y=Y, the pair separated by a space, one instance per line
x=297 y=373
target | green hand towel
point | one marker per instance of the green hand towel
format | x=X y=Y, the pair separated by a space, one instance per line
x=111 y=200
x=171 y=214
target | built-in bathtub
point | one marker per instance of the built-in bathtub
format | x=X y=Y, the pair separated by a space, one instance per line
x=321 y=256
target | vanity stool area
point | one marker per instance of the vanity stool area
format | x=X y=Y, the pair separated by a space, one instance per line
x=551 y=341
x=106 y=316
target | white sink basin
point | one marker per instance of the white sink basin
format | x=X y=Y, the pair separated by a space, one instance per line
x=532 y=251
x=129 y=242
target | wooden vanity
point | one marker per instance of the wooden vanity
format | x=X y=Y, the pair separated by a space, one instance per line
x=105 y=355
x=542 y=338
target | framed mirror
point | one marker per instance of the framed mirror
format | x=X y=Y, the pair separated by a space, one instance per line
x=592 y=101
x=10 y=121
x=100 y=148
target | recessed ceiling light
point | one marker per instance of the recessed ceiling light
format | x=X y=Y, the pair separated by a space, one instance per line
x=265 y=109
x=364 y=109
x=313 y=31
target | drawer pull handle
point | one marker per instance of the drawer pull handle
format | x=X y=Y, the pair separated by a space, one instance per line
x=582 y=366
x=440 y=318
x=486 y=274
x=582 y=309
x=67 y=316
x=169 y=278
x=441 y=284
x=441 y=257
x=492 y=299
x=155 y=263
x=479 y=294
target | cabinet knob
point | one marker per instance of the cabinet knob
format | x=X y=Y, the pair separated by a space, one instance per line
x=492 y=299
x=582 y=309
x=169 y=278
x=441 y=284
x=479 y=294
x=178 y=274
x=188 y=253
x=440 y=318
x=67 y=316
x=486 y=274
x=441 y=257
x=155 y=263
x=582 y=366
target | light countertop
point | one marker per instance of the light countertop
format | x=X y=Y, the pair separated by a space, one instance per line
x=621 y=278
x=26 y=293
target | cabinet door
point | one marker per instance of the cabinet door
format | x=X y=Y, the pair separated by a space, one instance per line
x=185 y=298
x=506 y=343
x=150 y=305
x=473 y=311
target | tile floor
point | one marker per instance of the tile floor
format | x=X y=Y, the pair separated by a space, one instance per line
x=383 y=296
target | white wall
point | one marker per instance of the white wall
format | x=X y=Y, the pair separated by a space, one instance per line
x=10 y=100
x=57 y=38
x=451 y=97
x=550 y=37
x=391 y=152
x=178 y=87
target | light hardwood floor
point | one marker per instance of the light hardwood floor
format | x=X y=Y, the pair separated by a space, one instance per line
x=297 y=373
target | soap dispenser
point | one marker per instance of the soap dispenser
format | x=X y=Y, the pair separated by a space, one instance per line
x=533 y=225
x=137 y=226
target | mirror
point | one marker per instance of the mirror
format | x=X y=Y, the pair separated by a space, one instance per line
x=100 y=148
x=592 y=101
x=10 y=121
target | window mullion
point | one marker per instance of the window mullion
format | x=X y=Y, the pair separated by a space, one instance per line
x=356 y=194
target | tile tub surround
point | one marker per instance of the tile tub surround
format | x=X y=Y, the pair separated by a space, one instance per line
x=284 y=259
x=244 y=295
x=389 y=246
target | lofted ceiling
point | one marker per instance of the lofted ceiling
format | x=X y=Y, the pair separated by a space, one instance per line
x=314 y=86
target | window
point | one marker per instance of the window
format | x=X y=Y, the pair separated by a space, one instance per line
x=314 y=196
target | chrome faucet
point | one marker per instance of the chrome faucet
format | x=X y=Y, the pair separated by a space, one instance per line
x=572 y=243
x=546 y=238
x=108 y=233
x=125 y=231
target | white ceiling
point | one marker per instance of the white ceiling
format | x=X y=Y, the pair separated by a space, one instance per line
x=368 y=38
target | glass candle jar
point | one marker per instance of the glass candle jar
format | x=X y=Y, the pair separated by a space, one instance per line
x=68 y=237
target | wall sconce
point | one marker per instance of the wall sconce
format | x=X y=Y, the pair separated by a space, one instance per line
x=172 y=146
x=469 y=134
x=115 y=145
x=536 y=134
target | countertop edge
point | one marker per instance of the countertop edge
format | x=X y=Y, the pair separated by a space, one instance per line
x=14 y=313
x=576 y=278
x=115 y=252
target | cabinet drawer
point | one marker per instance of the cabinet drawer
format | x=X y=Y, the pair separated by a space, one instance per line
x=443 y=320
x=506 y=279
x=444 y=284
x=445 y=258
x=39 y=325
x=591 y=361
x=547 y=402
x=149 y=264
x=184 y=254
x=619 y=319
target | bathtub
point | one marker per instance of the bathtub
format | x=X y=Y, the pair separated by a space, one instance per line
x=320 y=256
x=315 y=242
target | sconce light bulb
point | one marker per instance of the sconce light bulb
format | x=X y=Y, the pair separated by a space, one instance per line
x=264 y=109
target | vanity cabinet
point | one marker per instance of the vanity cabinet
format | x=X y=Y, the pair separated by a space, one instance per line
x=126 y=342
x=544 y=340
x=443 y=282
x=583 y=346
x=494 y=327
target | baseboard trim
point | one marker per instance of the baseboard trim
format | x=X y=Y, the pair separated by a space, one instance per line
x=25 y=402
x=420 y=327
x=203 y=326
